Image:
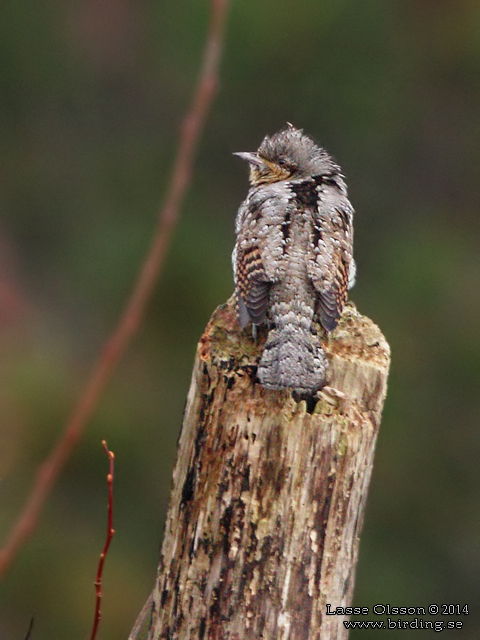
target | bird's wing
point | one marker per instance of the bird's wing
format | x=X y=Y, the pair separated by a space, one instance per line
x=252 y=286
x=331 y=238
x=258 y=256
x=331 y=299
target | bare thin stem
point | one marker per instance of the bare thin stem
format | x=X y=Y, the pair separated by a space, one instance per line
x=108 y=539
x=135 y=308
x=29 y=632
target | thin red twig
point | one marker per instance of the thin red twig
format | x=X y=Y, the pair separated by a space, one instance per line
x=135 y=308
x=110 y=534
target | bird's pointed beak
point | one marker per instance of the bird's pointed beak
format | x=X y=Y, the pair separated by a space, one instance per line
x=252 y=158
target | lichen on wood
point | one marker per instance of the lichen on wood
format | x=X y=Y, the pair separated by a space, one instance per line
x=268 y=493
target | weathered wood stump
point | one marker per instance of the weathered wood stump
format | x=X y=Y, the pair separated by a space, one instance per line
x=268 y=493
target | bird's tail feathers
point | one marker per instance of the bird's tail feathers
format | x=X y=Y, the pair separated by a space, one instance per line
x=293 y=359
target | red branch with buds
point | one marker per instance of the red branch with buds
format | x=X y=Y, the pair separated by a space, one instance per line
x=110 y=534
x=132 y=316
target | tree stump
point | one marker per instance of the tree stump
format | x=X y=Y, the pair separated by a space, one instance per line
x=268 y=493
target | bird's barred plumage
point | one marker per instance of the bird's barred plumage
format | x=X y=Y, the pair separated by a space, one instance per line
x=293 y=259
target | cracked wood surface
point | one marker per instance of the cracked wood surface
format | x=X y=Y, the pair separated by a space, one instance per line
x=268 y=493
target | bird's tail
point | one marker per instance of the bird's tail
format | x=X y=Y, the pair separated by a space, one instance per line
x=293 y=359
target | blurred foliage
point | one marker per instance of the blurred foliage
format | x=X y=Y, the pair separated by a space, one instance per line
x=91 y=97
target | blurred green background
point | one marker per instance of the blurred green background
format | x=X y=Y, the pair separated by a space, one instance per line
x=92 y=94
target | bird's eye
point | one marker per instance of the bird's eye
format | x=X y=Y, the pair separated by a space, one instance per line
x=282 y=163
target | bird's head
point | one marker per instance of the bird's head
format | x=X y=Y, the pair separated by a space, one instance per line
x=287 y=155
